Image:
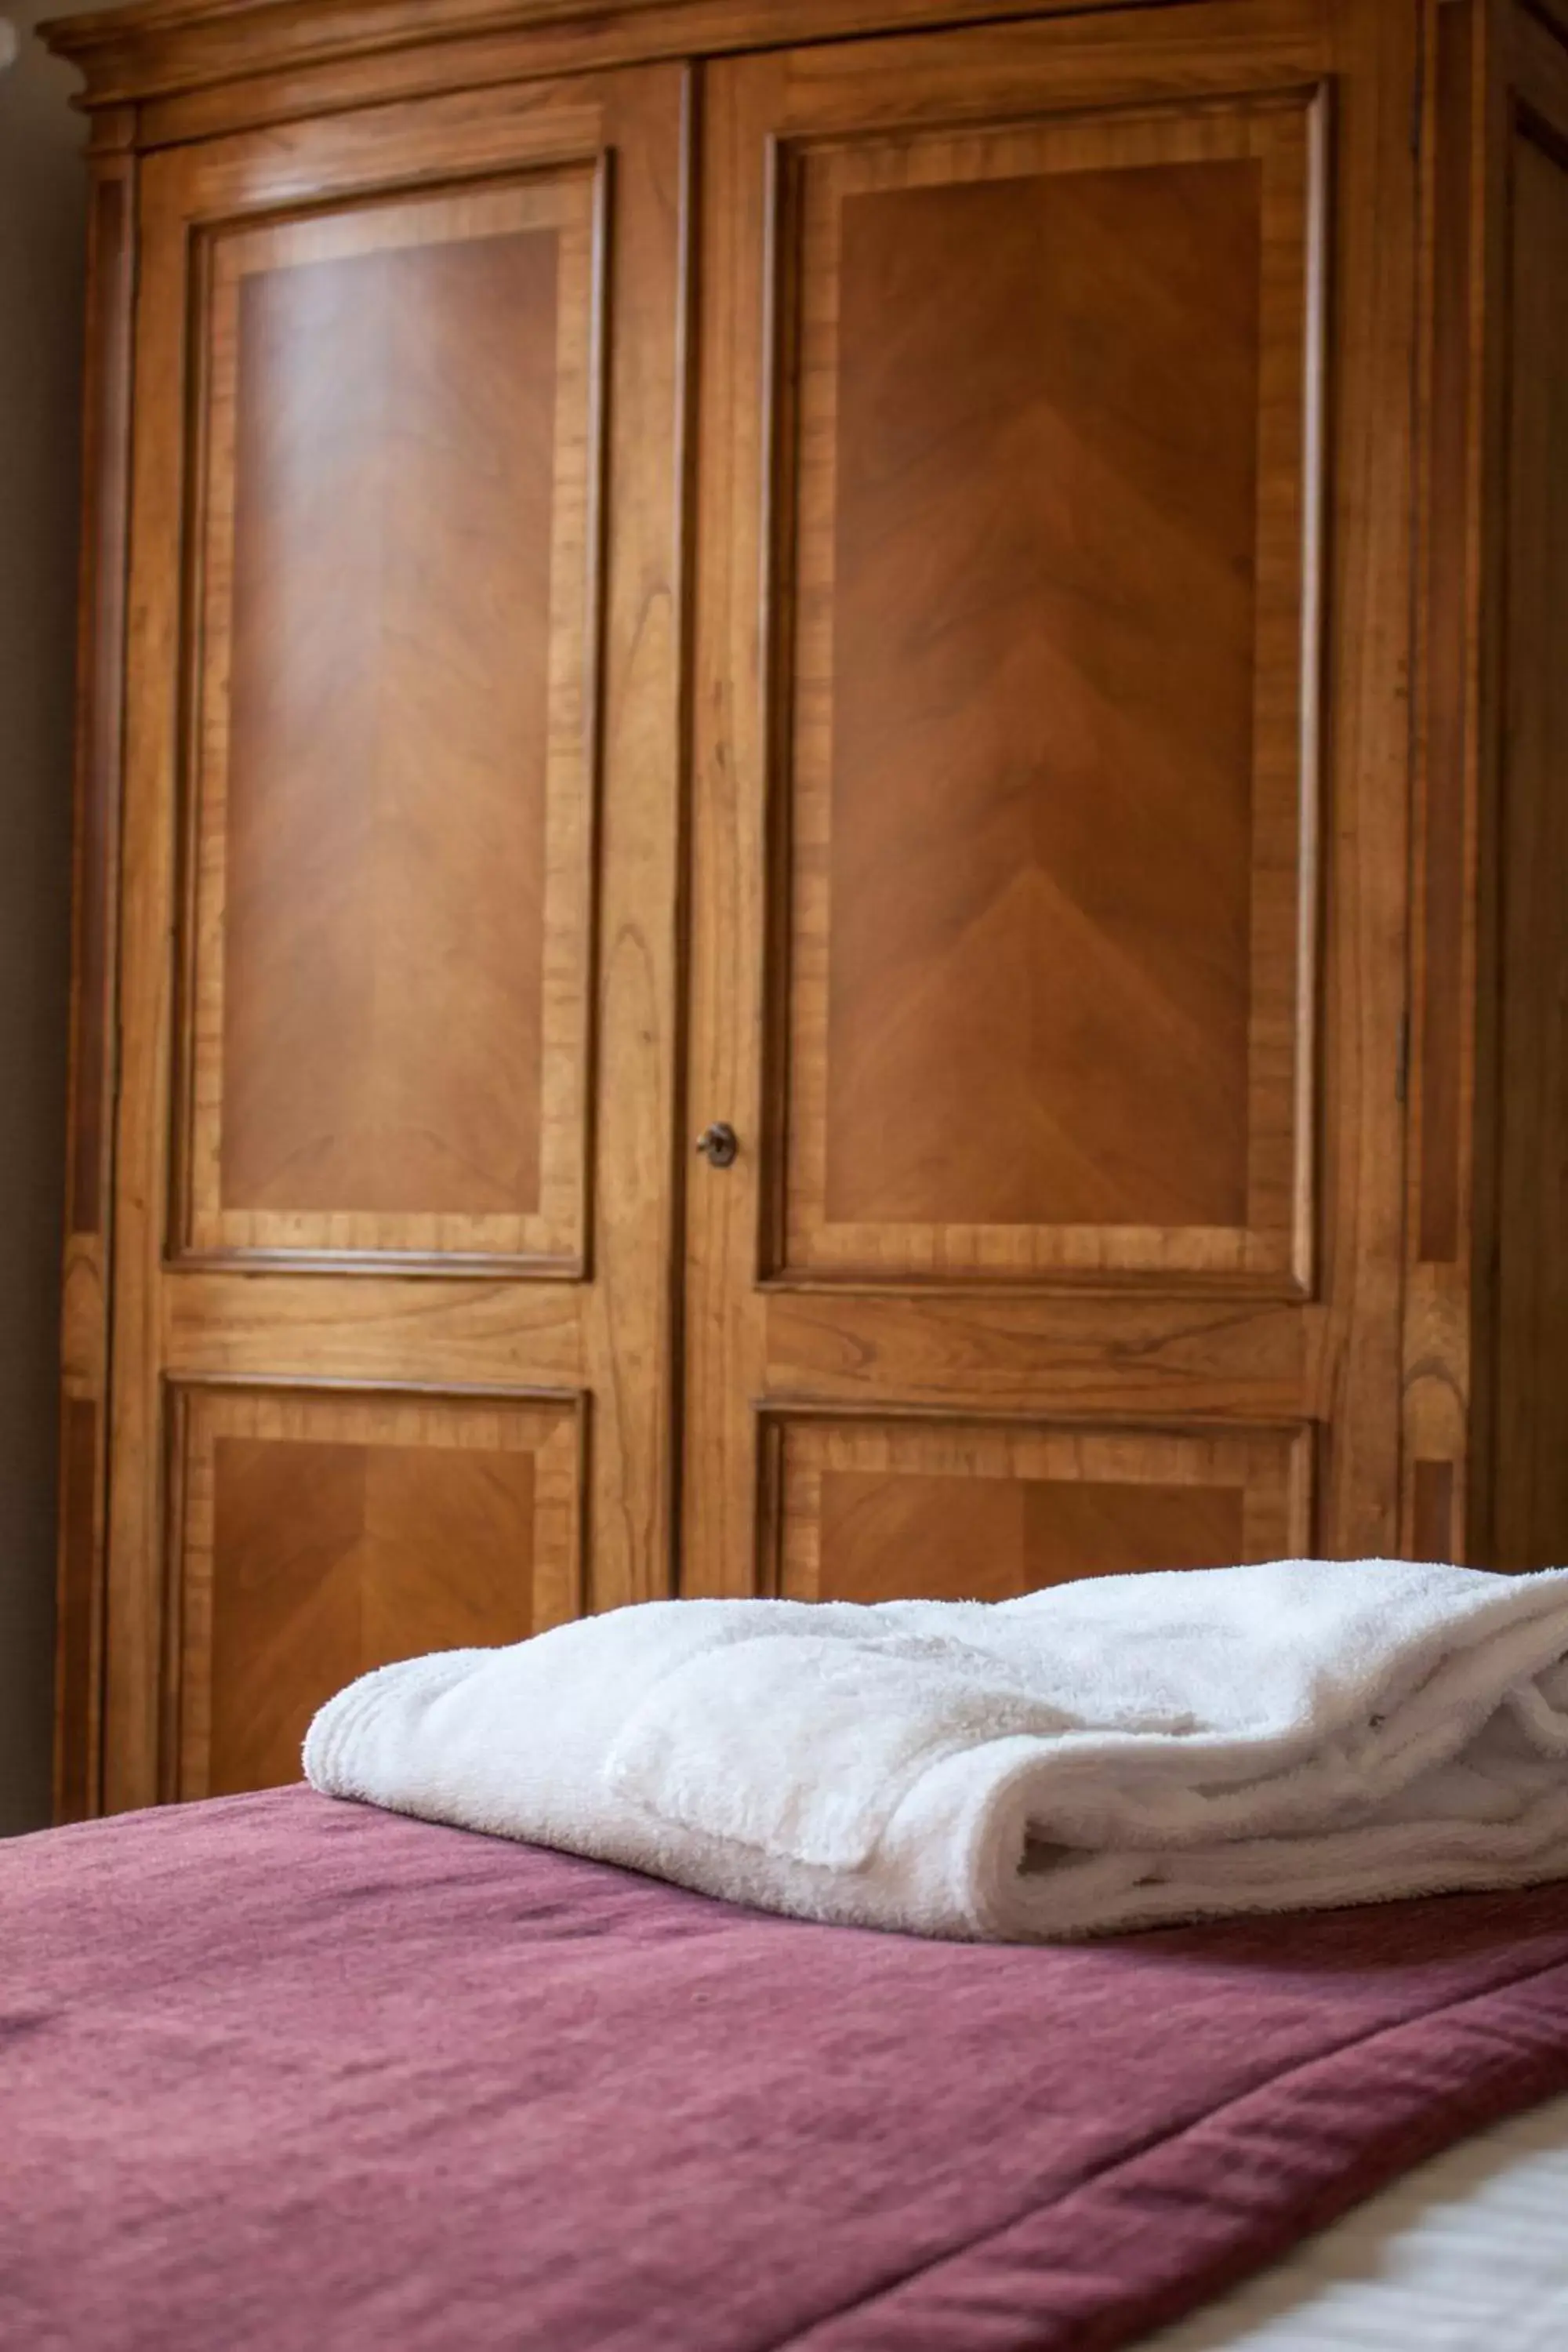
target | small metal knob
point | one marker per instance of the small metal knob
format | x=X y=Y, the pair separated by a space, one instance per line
x=718 y=1145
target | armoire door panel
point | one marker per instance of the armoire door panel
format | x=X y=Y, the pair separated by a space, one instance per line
x=402 y=751
x=318 y=1534
x=871 y=1510
x=1051 y=473
x=396 y=439
x=1047 y=948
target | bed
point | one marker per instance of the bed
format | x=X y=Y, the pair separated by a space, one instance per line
x=1466 y=2253
x=280 y=2072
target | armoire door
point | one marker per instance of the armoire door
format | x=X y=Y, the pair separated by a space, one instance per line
x=1049 y=800
x=393 y=1231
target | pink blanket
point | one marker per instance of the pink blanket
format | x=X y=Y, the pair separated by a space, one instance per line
x=280 y=2073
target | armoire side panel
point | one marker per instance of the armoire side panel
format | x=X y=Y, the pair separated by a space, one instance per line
x=1530 y=1466
x=1438 y=1481
x=1446 y=963
x=88 y=1250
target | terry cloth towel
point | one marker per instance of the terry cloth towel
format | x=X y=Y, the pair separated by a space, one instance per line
x=1108 y=1754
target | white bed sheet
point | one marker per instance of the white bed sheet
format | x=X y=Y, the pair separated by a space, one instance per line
x=1467 y=2254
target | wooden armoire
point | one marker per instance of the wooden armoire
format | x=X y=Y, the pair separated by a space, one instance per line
x=823 y=818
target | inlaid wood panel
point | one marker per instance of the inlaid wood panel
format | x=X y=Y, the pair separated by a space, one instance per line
x=1052 y=445
x=319 y=1534
x=881 y=1510
x=391 y=845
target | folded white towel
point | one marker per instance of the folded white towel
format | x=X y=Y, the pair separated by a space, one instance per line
x=1102 y=1755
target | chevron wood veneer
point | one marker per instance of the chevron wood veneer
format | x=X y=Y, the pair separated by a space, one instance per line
x=1049 y=962
x=389 y=1009
x=990 y=1510
x=318 y=1534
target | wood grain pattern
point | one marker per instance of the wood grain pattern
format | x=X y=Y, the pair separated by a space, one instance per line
x=1530 y=1461
x=393 y=844
x=1449 y=647
x=1164 y=1358
x=911 y=1537
x=78 y=1655
x=1234 y=1276
x=424 y=181
x=210 y=68
x=931 y=1510
x=327 y=1003
x=1050 y=686
x=1432 y=1517
x=1366 y=847
x=1442 y=1273
x=1041 y=684
x=89 y=1235
x=321 y=1534
x=1523 y=89
x=106 y=406
x=1550 y=16
x=1297 y=1312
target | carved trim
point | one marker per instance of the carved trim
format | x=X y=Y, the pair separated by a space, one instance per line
x=167 y=47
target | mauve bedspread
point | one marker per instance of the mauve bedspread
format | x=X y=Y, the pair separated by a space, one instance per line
x=281 y=2073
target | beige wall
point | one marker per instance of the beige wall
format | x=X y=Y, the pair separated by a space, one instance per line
x=41 y=213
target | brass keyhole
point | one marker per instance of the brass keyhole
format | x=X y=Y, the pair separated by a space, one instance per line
x=718 y=1145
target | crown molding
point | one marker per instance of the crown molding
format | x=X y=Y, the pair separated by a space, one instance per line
x=164 y=50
